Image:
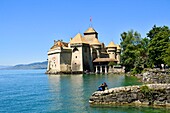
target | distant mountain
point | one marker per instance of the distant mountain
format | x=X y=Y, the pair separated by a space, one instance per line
x=36 y=65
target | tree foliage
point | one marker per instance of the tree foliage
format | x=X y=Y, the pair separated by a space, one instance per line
x=159 y=42
x=139 y=53
x=134 y=49
x=111 y=63
x=167 y=56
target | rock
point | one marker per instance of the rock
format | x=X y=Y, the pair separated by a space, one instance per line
x=155 y=76
x=150 y=94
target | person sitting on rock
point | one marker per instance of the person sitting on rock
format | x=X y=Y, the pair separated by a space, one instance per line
x=103 y=87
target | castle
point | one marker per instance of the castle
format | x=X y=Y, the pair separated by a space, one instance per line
x=82 y=54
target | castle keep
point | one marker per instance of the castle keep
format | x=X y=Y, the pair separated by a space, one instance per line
x=84 y=53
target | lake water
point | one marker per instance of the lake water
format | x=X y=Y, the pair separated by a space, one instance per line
x=32 y=91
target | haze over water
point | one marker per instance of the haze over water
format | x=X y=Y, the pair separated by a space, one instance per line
x=33 y=91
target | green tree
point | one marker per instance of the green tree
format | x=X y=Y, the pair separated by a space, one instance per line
x=167 y=56
x=159 y=42
x=144 y=55
x=134 y=51
x=129 y=44
x=141 y=60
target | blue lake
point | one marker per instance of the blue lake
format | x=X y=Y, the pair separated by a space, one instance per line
x=32 y=91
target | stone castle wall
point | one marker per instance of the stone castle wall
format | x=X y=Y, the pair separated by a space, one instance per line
x=77 y=60
x=151 y=94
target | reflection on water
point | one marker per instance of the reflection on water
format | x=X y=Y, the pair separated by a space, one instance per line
x=55 y=89
x=66 y=91
x=75 y=90
x=70 y=93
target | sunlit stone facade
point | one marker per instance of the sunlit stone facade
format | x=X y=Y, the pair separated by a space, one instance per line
x=84 y=53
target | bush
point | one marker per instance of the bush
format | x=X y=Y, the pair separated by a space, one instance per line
x=145 y=90
x=136 y=70
x=148 y=93
x=111 y=64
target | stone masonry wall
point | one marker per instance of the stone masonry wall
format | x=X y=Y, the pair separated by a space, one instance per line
x=150 y=94
x=155 y=76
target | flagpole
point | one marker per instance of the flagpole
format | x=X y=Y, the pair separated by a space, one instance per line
x=90 y=21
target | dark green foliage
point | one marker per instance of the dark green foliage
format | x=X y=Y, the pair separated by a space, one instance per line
x=134 y=51
x=139 y=53
x=145 y=90
x=167 y=56
x=159 y=42
x=111 y=64
x=148 y=93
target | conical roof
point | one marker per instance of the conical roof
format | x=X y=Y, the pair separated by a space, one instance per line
x=118 y=46
x=95 y=41
x=54 y=47
x=111 y=44
x=90 y=30
x=78 y=39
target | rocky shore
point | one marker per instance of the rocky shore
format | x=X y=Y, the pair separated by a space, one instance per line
x=151 y=94
x=155 y=76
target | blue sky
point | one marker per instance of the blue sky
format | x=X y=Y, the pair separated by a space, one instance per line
x=29 y=27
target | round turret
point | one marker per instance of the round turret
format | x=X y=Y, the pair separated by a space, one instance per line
x=118 y=49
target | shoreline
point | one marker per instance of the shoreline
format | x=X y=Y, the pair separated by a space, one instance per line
x=153 y=76
x=148 y=95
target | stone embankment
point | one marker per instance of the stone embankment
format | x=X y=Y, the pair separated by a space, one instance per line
x=62 y=72
x=150 y=94
x=155 y=76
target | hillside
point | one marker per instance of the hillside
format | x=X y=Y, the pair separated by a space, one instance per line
x=36 y=65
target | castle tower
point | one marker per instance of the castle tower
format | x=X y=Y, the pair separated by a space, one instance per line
x=118 y=53
x=59 y=58
x=111 y=50
x=81 y=59
x=91 y=37
x=96 y=48
x=89 y=34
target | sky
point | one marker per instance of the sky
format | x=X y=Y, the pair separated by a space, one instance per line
x=28 y=28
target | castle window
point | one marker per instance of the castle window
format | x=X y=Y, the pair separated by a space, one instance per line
x=75 y=49
x=76 y=56
x=75 y=63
